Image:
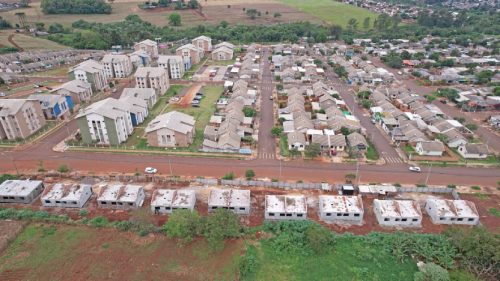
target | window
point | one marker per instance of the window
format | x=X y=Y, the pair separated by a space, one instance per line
x=5 y=197
x=328 y=214
x=120 y=203
x=386 y=219
x=157 y=208
x=74 y=202
x=404 y=219
x=299 y=215
x=460 y=219
x=356 y=215
x=282 y=215
x=47 y=201
x=131 y=204
x=167 y=208
x=414 y=219
x=441 y=219
x=214 y=207
x=288 y=215
x=103 y=203
x=271 y=214
x=398 y=219
x=113 y=203
x=339 y=215
x=231 y=208
x=345 y=215
x=453 y=219
x=242 y=208
x=58 y=202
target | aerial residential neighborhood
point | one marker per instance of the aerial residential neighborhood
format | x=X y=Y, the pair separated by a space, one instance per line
x=249 y=140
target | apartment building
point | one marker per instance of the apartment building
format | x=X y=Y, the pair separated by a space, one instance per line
x=91 y=72
x=117 y=65
x=203 y=42
x=148 y=46
x=152 y=77
x=54 y=106
x=79 y=91
x=108 y=121
x=20 y=118
x=173 y=64
x=190 y=55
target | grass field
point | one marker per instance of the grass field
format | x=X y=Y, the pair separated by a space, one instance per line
x=49 y=252
x=28 y=42
x=332 y=12
x=350 y=260
x=201 y=114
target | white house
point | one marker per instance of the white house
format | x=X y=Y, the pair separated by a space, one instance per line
x=341 y=208
x=165 y=201
x=121 y=196
x=443 y=211
x=430 y=148
x=66 y=195
x=285 y=207
x=236 y=200
x=20 y=191
x=473 y=151
x=397 y=213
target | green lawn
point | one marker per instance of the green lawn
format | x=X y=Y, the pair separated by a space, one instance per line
x=284 y=146
x=371 y=152
x=332 y=12
x=201 y=114
x=351 y=259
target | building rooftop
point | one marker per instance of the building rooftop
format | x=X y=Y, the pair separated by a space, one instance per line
x=173 y=120
x=398 y=208
x=18 y=187
x=170 y=197
x=454 y=208
x=340 y=204
x=120 y=192
x=59 y=191
x=150 y=71
x=229 y=197
x=286 y=204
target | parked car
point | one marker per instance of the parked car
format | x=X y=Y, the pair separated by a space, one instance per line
x=150 y=170
x=415 y=169
x=2 y=94
x=195 y=103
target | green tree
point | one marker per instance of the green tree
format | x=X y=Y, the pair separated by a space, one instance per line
x=220 y=225
x=184 y=225
x=352 y=24
x=366 y=23
x=193 y=4
x=431 y=272
x=249 y=112
x=277 y=15
x=345 y=131
x=252 y=13
x=249 y=174
x=63 y=168
x=312 y=150
x=484 y=76
x=350 y=177
x=471 y=127
x=228 y=176
x=276 y=131
x=393 y=60
x=75 y=7
x=174 y=19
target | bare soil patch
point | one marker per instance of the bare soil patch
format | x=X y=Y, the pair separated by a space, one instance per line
x=8 y=232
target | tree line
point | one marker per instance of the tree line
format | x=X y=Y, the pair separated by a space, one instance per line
x=75 y=7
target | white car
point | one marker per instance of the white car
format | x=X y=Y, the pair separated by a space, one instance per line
x=415 y=169
x=150 y=170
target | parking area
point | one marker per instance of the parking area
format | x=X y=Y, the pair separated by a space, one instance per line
x=213 y=73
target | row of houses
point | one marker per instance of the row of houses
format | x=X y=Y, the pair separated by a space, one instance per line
x=407 y=119
x=332 y=208
x=226 y=129
x=322 y=122
x=296 y=69
x=26 y=62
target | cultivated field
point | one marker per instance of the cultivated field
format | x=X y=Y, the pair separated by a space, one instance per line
x=49 y=252
x=332 y=12
x=213 y=12
x=27 y=42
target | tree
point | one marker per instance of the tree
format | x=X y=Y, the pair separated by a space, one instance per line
x=294 y=152
x=277 y=15
x=352 y=24
x=335 y=31
x=344 y=131
x=484 y=76
x=4 y=24
x=228 y=176
x=249 y=174
x=431 y=272
x=249 y=112
x=366 y=103
x=319 y=239
x=220 y=225
x=393 y=60
x=163 y=3
x=63 y=168
x=56 y=28
x=75 y=7
x=174 y=19
x=471 y=127
x=252 y=13
x=350 y=177
x=312 y=150
x=193 y=4
x=276 y=131
x=455 y=53
x=224 y=24
x=184 y=225
x=366 y=23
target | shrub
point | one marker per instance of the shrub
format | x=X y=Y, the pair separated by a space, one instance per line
x=228 y=176
x=83 y=213
x=249 y=263
x=452 y=186
x=220 y=225
x=397 y=184
x=63 y=168
x=184 y=225
x=99 y=222
x=249 y=174
x=431 y=272
x=475 y=187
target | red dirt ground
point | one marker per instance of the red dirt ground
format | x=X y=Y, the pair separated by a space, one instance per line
x=8 y=232
x=190 y=93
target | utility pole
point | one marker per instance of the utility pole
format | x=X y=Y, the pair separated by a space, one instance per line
x=170 y=165
x=357 y=171
x=280 y=170
x=428 y=174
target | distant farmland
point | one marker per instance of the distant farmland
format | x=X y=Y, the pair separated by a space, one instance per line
x=332 y=12
x=214 y=11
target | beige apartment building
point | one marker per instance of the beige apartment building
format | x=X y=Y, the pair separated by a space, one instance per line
x=20 y=118
x=152 y=77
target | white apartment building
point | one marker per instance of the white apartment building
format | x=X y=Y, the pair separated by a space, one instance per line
x=117 y=65
x=173 y=64
x=152 y=77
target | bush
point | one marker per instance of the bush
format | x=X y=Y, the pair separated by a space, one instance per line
x=75 y=7
x=83 y=213
x=184 y=225
x=249 y=263
x=220 y=225
x=475 y=187
x=228 y=176
x=452 y=186
x=6 y=177
x=63 y=168
x=249 y=174
x=431 y=272
x=99 y=222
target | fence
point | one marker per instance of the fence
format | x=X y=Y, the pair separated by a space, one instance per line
x=453 y=192
x=273 y=184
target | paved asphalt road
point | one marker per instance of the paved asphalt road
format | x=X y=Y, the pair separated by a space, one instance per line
x=267 y=145
x=378 y=139
x=29 y=159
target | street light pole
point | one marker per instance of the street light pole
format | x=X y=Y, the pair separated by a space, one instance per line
x=170 y=165
x=428 y=174
x=280 y=170
x=12 y=160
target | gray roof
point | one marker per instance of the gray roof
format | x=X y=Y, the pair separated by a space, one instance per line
x=75 y=86
x=10 y=106
x=432 y=146
x=110 y=108
x=476 y=148
x=46 y=100
x=356 y=139
x=150 y=71
x=174 y=120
